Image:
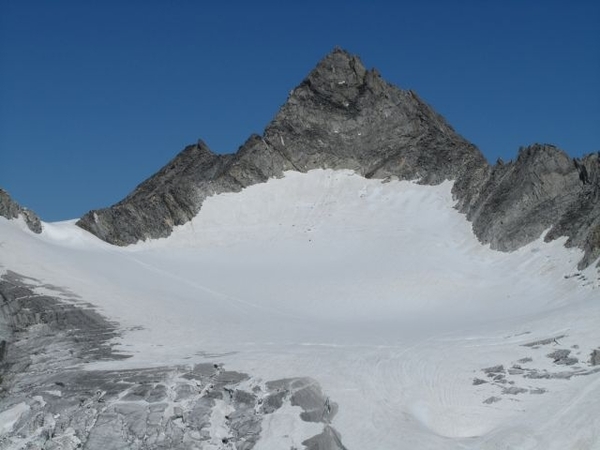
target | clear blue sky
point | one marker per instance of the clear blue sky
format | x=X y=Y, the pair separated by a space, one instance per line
x=97 y=96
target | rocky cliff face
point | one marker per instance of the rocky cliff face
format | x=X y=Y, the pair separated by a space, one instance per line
x=520 y=199
x=580 y=219
x=343 y=116
x=12 y=210
x=544 y=189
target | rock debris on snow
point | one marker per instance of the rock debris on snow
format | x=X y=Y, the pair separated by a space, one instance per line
x=153 y=408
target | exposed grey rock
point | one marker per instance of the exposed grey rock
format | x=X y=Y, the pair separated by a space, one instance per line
x=537 y=391
x=341 y=116
x=329 y=439
x=305 y=393
x=493 y=370
x=537 y=375
x=541 y=190
x=580 y=221
x=595 y=358
x=344 y=116
x=513 y=390
x=170 y=197
x=559 y=354
x=42 y=333
x=562 y=357
x=521 y=199
x=478 y=381
x=498 y=377
x=580 y=373
x=490 y=400
x=46 y=340
x=525 y=360
x=273 y=402
x=552 y=340
x=11 y=210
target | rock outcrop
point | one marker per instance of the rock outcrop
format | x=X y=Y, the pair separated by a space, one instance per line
x=580 y=221
x=543 y=189
x=50 y=400
x=343 y=116
x=170 y=197
x=12 y=210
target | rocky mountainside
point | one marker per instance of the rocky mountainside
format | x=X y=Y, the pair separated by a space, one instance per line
x=11 y=210
x=544 y=189
x=343 y=116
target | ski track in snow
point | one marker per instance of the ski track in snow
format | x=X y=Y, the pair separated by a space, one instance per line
x=379 y=291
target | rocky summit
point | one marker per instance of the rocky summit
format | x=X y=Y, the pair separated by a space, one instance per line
x=289 y=332
x=343 y=116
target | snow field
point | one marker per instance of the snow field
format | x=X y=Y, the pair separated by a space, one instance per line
x=378 y=290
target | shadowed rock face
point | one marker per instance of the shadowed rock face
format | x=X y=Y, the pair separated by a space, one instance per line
x=343 y=116
x=11 y=210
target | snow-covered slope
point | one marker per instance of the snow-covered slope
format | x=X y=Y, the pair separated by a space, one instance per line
x=376 y=289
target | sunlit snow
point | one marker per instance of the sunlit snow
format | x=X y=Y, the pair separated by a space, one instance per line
x=378 y=290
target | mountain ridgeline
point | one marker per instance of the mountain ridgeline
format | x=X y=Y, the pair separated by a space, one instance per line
x=343 y=116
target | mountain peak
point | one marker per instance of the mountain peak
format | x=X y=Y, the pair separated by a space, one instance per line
x=343 y=116
x=338 y=68
x=340 y=77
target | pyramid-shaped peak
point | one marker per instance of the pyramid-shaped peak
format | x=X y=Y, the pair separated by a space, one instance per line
x=341 y=60
x=340 y=78
x=337 y=69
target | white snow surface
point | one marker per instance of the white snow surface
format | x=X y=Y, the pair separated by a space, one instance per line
x=377 y=290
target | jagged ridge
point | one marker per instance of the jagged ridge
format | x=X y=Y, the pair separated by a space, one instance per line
x=343 y=116
x=543 y=189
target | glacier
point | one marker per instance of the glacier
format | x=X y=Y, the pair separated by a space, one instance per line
x=377 y=289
